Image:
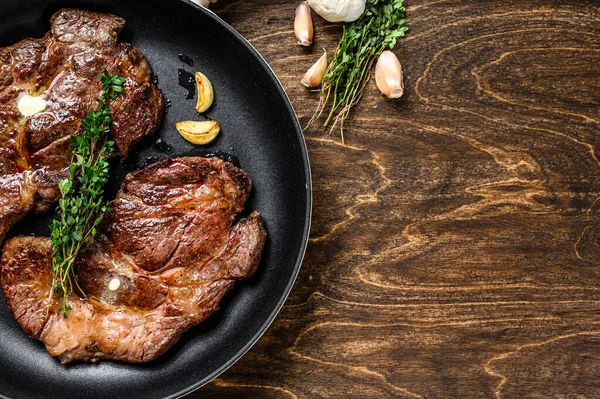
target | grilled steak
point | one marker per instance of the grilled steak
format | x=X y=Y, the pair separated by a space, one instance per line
x=63 y=69
x=171 y=243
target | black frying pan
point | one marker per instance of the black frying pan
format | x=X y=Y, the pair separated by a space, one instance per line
x=259 y=128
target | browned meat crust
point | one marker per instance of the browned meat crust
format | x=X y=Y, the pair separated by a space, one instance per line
x=172 y=243
x=63 y=68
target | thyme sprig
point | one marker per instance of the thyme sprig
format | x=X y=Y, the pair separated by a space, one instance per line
x=377 y=30
x=82 y=207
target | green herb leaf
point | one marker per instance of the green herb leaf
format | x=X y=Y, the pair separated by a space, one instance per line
x=81 y=207
x=377 y=30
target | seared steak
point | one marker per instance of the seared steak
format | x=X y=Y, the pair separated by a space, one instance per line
x=170 y=241
x=63 y=69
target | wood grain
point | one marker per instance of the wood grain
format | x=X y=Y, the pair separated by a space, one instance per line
x=456 y=237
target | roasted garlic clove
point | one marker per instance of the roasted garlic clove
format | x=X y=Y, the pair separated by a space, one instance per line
x=314 y=76
x=206 y=94
x=303 y=25
x=199 y=132
x=388 y=75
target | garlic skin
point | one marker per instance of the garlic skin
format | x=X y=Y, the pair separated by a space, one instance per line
x=388 y=75
x=314 y=76
x=303 y=25
x=339 y=10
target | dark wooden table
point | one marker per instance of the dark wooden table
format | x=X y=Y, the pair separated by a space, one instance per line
x=455 y=247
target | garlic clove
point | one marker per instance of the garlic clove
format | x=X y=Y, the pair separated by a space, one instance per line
x=303 y=26
x=198 y=132
x=206 y=94
x=314 y=76
x=388 y=75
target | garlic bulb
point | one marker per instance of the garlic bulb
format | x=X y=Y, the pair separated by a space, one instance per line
x=339 y=10
x=204 y=3
x=388 y=75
